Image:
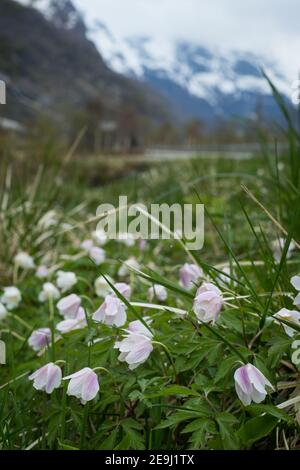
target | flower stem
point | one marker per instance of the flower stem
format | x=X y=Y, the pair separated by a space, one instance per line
x=169 y=356
x=51 y=312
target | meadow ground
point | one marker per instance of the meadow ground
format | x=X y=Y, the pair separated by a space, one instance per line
x=204 y=364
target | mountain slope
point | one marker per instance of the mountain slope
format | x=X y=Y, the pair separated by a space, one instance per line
x=51 y=66
x=200 y=82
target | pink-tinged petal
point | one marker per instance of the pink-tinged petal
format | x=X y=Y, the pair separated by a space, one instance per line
x=137 y=326
x=112 y=305
x=68 y=306
x=75 y=387
x=295 y=281
x=141 y=354
x=258 y=380
x=39 y=377
x=242 y=379
x=77 y=374
x=297 y=300
x=121 y=318
x=244 y=397
x=53 y=378
x=99 y=315
x=258 y=396
x=90 y=387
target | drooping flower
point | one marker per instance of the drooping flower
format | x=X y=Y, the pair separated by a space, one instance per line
x=278 y=246
x=87 y=245
x=127 y=265
x=157 y=292
x=47 y=378
x=11 y=297
x=250 y=384
x=100 y=237
x=3 y=312
x=208 y=302
x=127 y=238
x=48 y=292
x=295 y=281
x=97 y=254
x=123 y=288
x=65 y=280
x=136 y=346
x=39 y=339
x=83 y=384
x=72 y=324
x=68 y=306
x=49 y=219
x=226 y=278
x=24 y=260
x=292 y=316
x=42 y=272
x=189 y=275
x=102 y=288
x=111 y=312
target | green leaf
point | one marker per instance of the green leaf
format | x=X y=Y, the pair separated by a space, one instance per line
x=226 y=422
x=257 y=428
x=173 y=390
x=270 y=410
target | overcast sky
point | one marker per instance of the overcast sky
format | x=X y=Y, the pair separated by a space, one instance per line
x=268 y=27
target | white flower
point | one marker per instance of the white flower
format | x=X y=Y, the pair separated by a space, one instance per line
x=48 y=292
x=100 y=237
x=86 y=245
x=227 y=280
x=158 y=292
x=102 y=288
x=48 y=220
x=190 y=275
x=42 y=272
x=24 y=260
x=127 y=265
x=72 y=324
x=39 y=339
x=83 y=385
x=47 y=378
x=111 y=312
x=3 y=312
x=127 y=238
x=97 y=255
x=278 y=246
x=65 y=280
x=250 y=384
x=68 y=306
x=11 y=297
x=123 y=288
x=295 y=281
x=136 y=346
x=292 y=316
x=208 y=302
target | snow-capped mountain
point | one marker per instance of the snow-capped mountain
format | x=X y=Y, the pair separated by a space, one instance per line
x=198 y=81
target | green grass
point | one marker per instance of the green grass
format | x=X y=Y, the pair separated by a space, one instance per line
x=183 y=396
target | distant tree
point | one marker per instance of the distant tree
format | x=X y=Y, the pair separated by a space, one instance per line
x=194 y=131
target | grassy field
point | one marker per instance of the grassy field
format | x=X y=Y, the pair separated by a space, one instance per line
x=183 y=391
